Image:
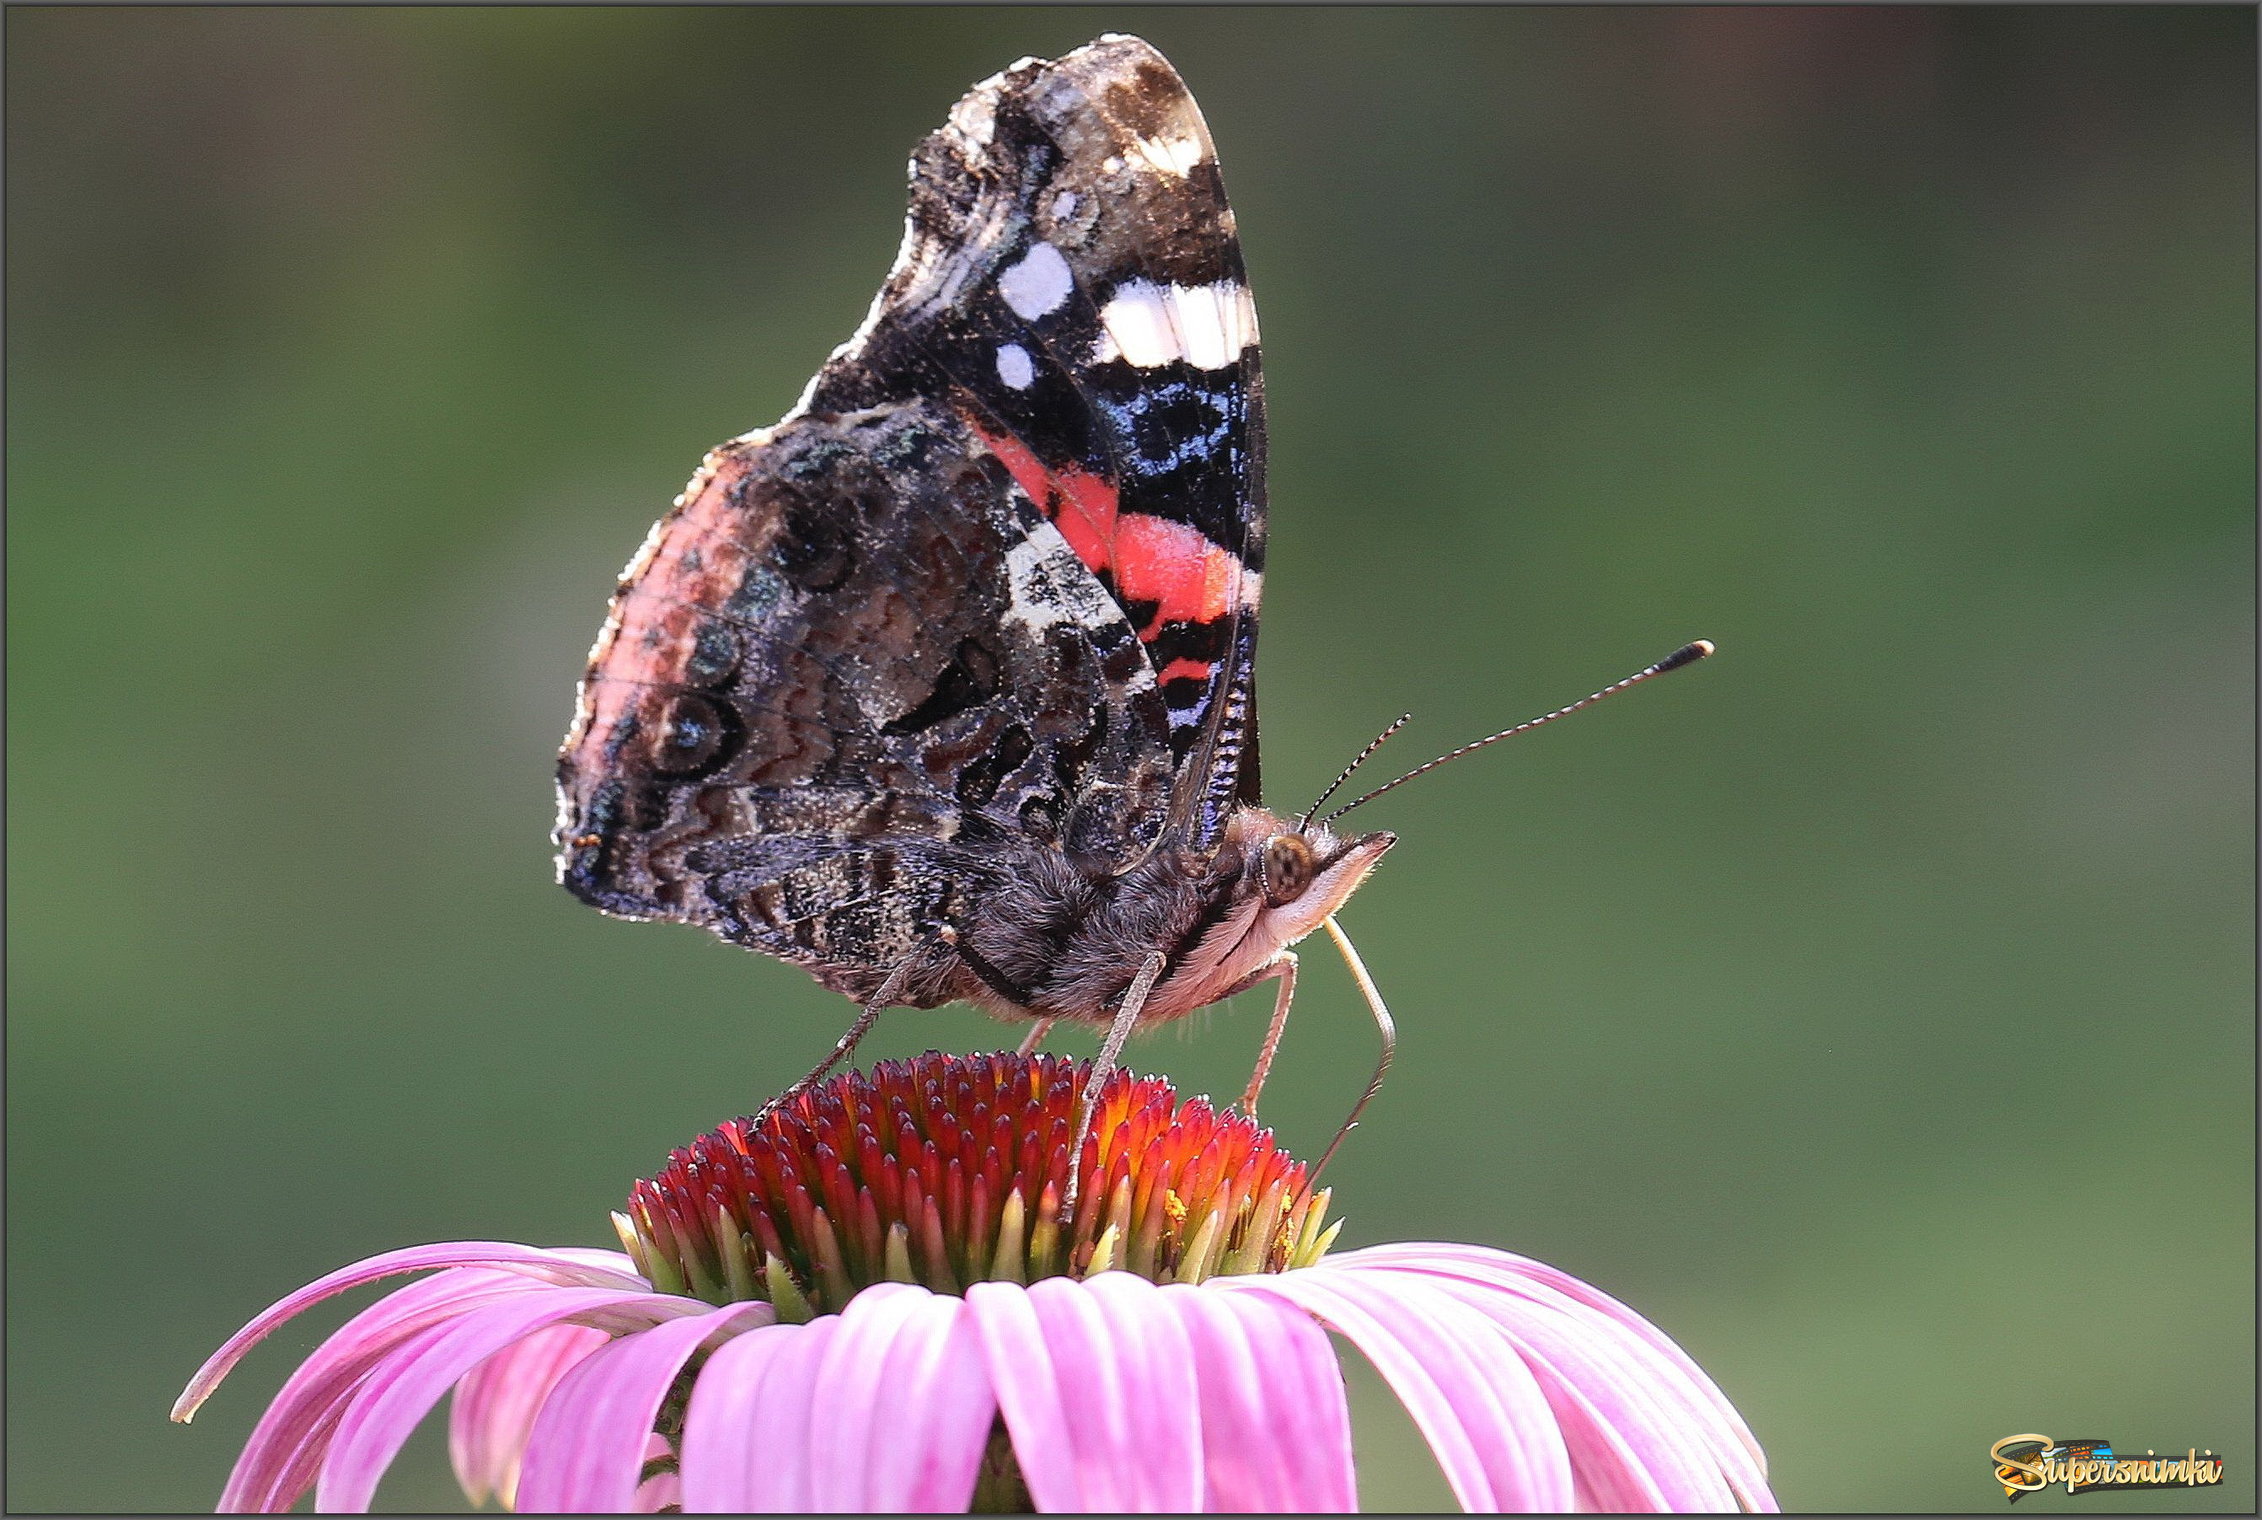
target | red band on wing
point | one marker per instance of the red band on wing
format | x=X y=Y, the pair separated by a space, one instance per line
x=1152 y=559
x=1190 y=579
x=1080 y=504
x=1185 y=670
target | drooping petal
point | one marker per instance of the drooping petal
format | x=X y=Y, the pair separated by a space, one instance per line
x=1535 y=1278
x=1522 y=1274
x=586 y=1451
x=279 y=1462
x=269 y=1478
x=1154 y=1367
x=397 y=1395
x=558 y=1267
x=746 y=1443
x=1276 y=1428
x=598 y=1259
x=1095 y=1380
x=907 y=1406
x=1066 y=1397
x=1612 y=1408
x=1632 y=1445
x=845 y=1383
x=1481 y=1410
x=1656 y=1364
x=495 y=1404
x=1029 y=1394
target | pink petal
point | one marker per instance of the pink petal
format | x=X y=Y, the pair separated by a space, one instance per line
x=1631 y=1451
x=495 y=1405
x=586 y=1451
x=599 y=1260
x=549 y=1266
x=908 y=1405
x=269 y=1482
x=1029 y=1394
x=1534 y=1278
x=279 y=1461
x=1658 y=1365
x=1096 y=1382
x=1661 y=1422
x=662 y=1488
x=746 y=1437
x=1478 y=1405
x=398 y=1394
x=1276 y=1430
x=845 y=1382
x=658 y=1492
x=1153 y=1364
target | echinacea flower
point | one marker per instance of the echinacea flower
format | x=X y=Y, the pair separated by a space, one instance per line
x=866 y=1299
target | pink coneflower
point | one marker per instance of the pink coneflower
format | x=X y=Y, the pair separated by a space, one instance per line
x=866 y=1300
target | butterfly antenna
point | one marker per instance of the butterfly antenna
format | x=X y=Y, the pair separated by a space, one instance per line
x=1687 y=654
x=1372 y=745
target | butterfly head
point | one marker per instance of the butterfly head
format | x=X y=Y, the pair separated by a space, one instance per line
x=1304 y=873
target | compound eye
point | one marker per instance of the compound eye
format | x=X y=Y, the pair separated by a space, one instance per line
x=1289 y=867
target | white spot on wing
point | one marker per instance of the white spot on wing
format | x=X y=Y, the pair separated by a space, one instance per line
x=1209 y=321
x=1039 y=283
x=1147 y=324
x=1014 y=366
x=1137 y=325
x=1172 y=155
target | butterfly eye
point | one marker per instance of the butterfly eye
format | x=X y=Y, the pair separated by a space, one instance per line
x=1288 y=868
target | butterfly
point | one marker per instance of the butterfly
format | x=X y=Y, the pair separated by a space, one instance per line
x=943 y=688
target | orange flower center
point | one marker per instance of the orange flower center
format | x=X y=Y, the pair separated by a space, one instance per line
x=949 y=1170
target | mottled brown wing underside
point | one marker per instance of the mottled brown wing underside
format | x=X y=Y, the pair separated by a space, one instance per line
x=991 y=587
x=852 y=655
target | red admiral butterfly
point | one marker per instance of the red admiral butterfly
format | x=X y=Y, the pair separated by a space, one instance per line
x=943 y=688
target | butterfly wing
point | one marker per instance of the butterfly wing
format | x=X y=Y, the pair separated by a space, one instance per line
x=1072 y=269
x=850 y=660
x=993 y=581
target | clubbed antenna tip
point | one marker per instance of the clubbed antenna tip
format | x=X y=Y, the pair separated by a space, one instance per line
x=1687 y=654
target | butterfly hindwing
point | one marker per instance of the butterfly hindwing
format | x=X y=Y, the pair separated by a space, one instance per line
x=853 y=655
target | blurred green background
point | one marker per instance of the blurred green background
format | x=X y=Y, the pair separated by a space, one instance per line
x=1871 y=1006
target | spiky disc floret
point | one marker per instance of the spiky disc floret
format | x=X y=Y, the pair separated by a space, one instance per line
x=948 y=1170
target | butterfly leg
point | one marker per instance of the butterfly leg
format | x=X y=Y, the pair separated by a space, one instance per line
x=1283 y=968
x=1126 y=1016
x=882 y=1000
x=1034 y=1038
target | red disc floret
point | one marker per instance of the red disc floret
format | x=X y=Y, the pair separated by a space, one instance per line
x=948 y=1170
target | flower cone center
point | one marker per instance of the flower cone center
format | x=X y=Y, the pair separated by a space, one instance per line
x=950 y=1170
